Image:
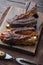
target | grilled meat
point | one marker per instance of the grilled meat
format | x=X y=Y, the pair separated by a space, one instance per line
x=30 y=12
x=26 y=19
x=28 y=22
x=22 y=35
x=23 y=29
x=26 y=32
x=24 y=38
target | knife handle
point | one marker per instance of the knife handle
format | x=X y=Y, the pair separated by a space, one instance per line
x=2 y=54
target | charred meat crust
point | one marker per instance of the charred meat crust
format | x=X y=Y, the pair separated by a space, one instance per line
x=30 y=22
x=19 y=38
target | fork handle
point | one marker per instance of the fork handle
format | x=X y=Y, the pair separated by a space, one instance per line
x=23 y=61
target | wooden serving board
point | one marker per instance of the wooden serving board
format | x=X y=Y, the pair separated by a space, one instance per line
x=25 y=49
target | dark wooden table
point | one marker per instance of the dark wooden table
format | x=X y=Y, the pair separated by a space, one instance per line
x=37 y=58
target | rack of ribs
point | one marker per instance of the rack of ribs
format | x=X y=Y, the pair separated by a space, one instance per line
x=27 y=22
x=32 y=10
x=27 y=19
x=21 y=38
x=20 y=33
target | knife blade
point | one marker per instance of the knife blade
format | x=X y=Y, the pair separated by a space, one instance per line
x=21 y=61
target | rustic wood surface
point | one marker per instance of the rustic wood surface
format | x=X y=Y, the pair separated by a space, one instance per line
x=39 y=55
